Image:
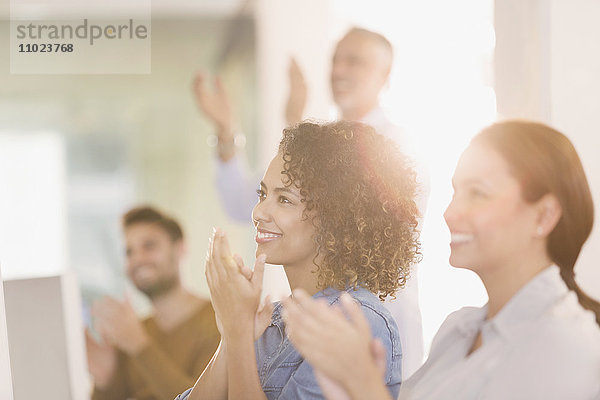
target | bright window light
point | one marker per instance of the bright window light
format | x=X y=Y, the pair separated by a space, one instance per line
x=440 y=91
x=32 y=205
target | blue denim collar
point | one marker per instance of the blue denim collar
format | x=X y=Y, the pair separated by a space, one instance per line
x=330 y=294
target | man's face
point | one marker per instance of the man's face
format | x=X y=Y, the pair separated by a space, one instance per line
x=359 y=71
x=152 y=258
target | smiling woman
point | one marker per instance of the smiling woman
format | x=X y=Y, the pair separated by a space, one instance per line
x=520 y=213
x=336 y=208
x=282 y=234
x=358 y=192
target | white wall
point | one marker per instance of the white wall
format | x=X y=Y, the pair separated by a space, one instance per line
x=546 y=69
x=288 y=28
x=574 y=88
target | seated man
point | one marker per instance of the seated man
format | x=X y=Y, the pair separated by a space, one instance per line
x=159 y=357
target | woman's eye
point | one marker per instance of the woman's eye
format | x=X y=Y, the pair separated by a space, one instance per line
x=477 y=193
x=283 y=199
x=261 y=194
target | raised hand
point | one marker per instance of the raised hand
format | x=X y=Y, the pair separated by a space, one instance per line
x=216 y=106
x=265 y=311
x=235 y=290
x=118 y=323
x=214 y=103
x=335 y=391
x=297 y=99
x=102 y=361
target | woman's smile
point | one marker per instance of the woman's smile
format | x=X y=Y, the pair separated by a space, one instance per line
x=264 y=236
x=458 y=238
x=283 y=233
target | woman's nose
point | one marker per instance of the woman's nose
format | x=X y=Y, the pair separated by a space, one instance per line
x=451 y=212
x=260 y=212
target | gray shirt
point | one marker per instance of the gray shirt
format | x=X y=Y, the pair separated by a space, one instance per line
x=541 y=345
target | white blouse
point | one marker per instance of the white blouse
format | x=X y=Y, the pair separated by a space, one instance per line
x=541 y=345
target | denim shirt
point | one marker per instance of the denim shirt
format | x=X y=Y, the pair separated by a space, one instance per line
x=284 y=374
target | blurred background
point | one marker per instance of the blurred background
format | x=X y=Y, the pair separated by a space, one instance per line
x=76 y=151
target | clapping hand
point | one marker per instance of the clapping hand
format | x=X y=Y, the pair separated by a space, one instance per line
x=235 y=290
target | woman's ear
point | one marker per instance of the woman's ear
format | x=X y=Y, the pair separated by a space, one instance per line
x=549 y=213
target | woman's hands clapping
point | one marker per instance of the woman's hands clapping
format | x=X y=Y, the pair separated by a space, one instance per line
x=235 y=290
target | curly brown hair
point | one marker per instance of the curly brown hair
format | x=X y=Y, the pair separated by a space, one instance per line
x=359 y=192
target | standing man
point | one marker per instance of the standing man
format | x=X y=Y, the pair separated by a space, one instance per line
x=360 y=69
x=161 y=356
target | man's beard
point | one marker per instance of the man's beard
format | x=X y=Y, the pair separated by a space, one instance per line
x=159 y=288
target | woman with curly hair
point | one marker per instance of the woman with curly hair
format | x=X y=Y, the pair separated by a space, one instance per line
x=520 y=214
x=336 y=208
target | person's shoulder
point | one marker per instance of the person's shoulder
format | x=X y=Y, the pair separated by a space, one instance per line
x=203 y=309
x=463 y=315
x=373 y=308
x=565 y=336
x=458 y=322
x=199 y=314
x=570 y=328
x=367 y=300
x=384 y=328
x=380 y=319
x=399 y=133
x=563 y=344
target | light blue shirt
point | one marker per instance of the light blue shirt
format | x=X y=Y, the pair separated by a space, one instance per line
x=237 y=188
x=284 y=374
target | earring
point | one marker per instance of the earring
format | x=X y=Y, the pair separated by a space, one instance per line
x=539 y=231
